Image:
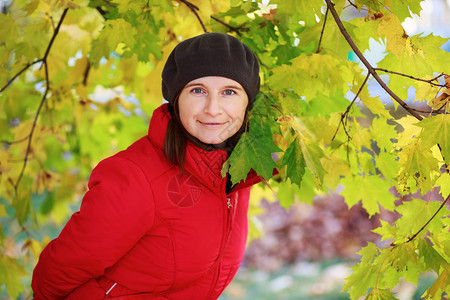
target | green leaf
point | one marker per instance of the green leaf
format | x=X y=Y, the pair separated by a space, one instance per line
x=387 y=164
x=429 y=256
x=302 y=10
x=444 y=183
x=419 y=164
x=293 y=159
x=147 y=44
x=312 y=154
x=383 y=133
x=364 y=276
x=371 y=190
x=312 y=76
x=404 y=8
x=113 y=33
x=437 y=131
x=290 y=193
x=253 y=151
x=22 y=204
x=386 y=230
x=380 y=294
x=9 y=30
x=415 y=214
x=431 y=49
x=401 y=255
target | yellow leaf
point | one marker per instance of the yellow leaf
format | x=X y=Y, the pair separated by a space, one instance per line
x=398 y=42
x=409 y=131
x=10 y=273
x=444 y=183
x=425 y=91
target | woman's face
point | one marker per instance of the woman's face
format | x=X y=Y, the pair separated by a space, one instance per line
x=212 y=108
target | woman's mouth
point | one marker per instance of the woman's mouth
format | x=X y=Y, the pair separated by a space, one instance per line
x=212 y=125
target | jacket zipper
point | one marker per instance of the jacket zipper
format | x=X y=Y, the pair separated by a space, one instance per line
x=227 y=236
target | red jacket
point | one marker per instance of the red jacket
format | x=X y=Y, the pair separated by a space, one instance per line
x=145 y=231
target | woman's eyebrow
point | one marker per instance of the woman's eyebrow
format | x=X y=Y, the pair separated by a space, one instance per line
x=225 y=87
x=234 y=87
x=194 y=84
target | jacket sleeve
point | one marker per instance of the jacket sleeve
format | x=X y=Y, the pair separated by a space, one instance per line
x=115 y=213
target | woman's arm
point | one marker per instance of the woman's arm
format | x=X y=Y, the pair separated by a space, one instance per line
x=115 y=213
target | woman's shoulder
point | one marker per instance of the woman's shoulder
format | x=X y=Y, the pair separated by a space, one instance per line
x=149 y=158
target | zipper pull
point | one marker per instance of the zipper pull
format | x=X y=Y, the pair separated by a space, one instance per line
x=229 y=203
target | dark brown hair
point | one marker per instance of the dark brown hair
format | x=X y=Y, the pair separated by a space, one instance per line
x=177 y=138
x=175 y=141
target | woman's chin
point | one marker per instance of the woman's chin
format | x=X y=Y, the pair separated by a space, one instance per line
x=212 y=141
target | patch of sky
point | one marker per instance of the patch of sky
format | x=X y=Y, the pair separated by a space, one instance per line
x=40 y=87
x=433 y=19
x=103 y=95
x=72 y=60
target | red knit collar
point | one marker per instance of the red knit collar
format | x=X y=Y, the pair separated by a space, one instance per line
x=203 y=164
x=199 y=162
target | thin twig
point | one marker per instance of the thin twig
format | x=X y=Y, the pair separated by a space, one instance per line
x=345 y=114
x=55 y=33
x=44 y=98
x=86 y=73
x=430 y=81
x=33 y=127
x=194 y=9
x=428 y=222
x=353 y=4
x=370 y=69
x=16 y=141
x=234 y=29
x=18 y=74
x=323 y=29
x=437 y=111
x=379 y=270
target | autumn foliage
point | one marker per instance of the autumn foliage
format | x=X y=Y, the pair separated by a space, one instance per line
x=79 y=80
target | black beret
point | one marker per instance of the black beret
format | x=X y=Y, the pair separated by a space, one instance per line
x=210 y=54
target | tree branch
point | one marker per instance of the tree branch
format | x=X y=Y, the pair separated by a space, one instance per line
x=43 y=59
x=323 y=29
x=370 y=69
x=16 y=141
x=234 y=29
x=55 y=33
x=345 y=114
x=18 y=74
x=194 y=9
x=430 y=81
x=86 y=73
x=33 y=127
x=44 y=98
x=352 y=4
x=428 y=222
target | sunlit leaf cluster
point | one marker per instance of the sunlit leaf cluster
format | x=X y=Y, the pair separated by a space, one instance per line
x=81 y=78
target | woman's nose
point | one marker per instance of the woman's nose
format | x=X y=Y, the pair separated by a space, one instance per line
x=212 y=105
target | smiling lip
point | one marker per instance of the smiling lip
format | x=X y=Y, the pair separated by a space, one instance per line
x=212 y=125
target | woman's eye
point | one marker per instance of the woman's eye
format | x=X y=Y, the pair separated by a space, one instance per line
x=229 y=92
x=197 y=91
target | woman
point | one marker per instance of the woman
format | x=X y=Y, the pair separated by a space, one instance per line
x=159 y=221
